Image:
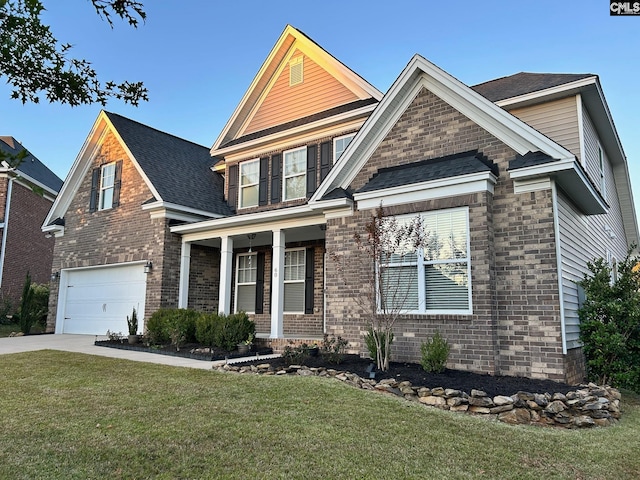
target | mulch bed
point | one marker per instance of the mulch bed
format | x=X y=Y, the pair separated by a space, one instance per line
x=412 y=372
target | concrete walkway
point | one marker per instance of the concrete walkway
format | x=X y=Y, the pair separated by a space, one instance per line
x=84 y=344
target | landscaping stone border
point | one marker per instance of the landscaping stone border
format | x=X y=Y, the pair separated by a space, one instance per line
x=588 y=406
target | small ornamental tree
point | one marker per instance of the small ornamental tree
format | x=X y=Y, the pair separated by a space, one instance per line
x=610 y=323
x=386 y=255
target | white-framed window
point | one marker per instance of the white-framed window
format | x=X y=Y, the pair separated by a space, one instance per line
x=294 y=275
x=249 y=183
x=246 y=274
x=296 y=71
x=294 y=183
x=435 y=279
x=107 y=184
x=601 y=170
x=340 y=145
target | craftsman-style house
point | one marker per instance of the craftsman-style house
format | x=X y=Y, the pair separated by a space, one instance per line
x=524 y=176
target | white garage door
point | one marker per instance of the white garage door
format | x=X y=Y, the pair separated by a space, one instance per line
x=99 y=299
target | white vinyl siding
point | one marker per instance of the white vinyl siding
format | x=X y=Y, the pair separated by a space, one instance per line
x=294 y=170
x=107 y=184
x=436 y=278
x=294 y=276
x=249 y=183
x=595 y=156
x=340 y=144
x=246 y=274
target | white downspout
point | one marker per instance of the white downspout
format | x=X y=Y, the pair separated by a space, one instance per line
x=6 y=226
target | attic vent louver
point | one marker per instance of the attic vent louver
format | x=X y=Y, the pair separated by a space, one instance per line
x=295 y=71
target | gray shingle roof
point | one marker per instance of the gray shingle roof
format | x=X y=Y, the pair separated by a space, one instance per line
x=31 y=166
x=428 y=170
x=179 y=169
x=529 y=159
x=523 y=83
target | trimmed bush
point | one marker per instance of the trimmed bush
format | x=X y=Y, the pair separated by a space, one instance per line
x=435 y=353
x=232 y=330
x=172 y=324
x=206 y=325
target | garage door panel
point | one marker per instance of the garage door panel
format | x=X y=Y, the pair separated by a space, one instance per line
x=100 y=299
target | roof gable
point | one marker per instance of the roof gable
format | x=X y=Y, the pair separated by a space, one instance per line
x=418 y=74
x=267 y=101
x=525 y=83
x=177 y=172
x=31 y=168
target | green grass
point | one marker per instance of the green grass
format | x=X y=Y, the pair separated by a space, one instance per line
x=72 y=416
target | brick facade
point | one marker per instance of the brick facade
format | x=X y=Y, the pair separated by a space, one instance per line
x=515 y=325
x=27 y=249
x=123 y=234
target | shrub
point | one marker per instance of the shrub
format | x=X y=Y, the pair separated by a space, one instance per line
x=132 y=323
x=370 y=341
x=435 y=353
x=33 y=305
x=168 y=324
x=41 y=301
x=206 y=325
x=610 y=323
x=295 y=354
x=5 y=309
x=333 y=348
x=232 y=330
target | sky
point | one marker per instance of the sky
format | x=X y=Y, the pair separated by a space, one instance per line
x=198 y=57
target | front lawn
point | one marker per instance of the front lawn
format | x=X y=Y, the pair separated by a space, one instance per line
x=67 y=416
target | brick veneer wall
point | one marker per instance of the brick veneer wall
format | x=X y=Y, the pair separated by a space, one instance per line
x=27 y=249
x=515 y=325
x=204 y=278
x=118 y=235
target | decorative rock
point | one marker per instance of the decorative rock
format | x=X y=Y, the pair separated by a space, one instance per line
x=439 y=391
x=501 y=400
x=480 y=401
x=532 y=405
x=515 y=416
x=433 y=400
x=450 y=392
x=501 y=408
x=559 y=396
x=476 y=409
x=583 y=421
x=562 y=418
x=459 y=408
x=555 y=407
x=456 y=401
x=424 y=392
x=478 y=393
x=541 y=400
x=407 y=390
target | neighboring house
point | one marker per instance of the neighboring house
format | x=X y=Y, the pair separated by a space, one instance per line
x=113 y=250
x=523 y=176
x=26 y=194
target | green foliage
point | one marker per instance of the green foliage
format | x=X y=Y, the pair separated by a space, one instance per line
x=5 y=309
x=610 y=323
x=232 y=330
x=373 y=338
x=33 y=62
x=33 y=305
x=132 y=323
x=206 y=328
x=334 y=348
x=295 y=354
x=435 y=353
x=169 y=324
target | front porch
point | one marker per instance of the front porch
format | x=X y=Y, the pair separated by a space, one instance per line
x=275 y=275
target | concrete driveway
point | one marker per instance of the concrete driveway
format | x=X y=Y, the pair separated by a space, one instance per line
x=84 y=344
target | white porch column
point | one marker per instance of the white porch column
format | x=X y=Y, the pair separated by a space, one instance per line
x=277 y=285
x=226 y=270
x=185 y=265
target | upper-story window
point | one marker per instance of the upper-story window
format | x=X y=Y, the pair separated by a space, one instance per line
x=249 y=183
x=295 y=174
x=340 y=145
x=107 y=184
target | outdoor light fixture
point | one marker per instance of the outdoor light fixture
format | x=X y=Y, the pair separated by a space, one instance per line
x=251 y=236
x=55 y=276
x=148 y=266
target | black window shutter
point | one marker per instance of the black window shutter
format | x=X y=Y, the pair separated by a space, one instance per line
x=117 y=182
x=95 y=190
x=264 y=180
x=312 y=159
x=308 y=281
x=260 y=283
x=232 y=181
x=325 y=159
x=276 y=163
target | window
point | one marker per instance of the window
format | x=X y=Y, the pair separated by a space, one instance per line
x=295 y=174
x=249 y=183
x=435 y=278
x=107 y=183
x=340 y=145
x=603 y=185
x=294 y=272
x=246 y=274
x=296 y=71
